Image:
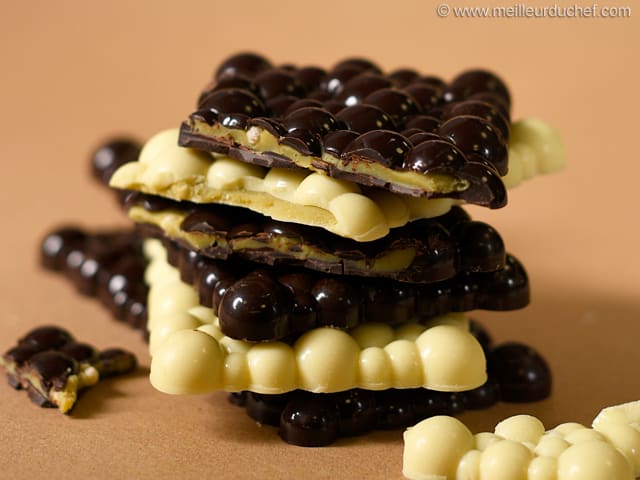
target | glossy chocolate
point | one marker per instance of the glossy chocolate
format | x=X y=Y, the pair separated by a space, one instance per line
x=314 y=420
x=473 y=82
x=266 y=304
x=364 y=118
x=523 y=374
x=359 y=87
x=233 y=100
x=45 y=358
x=107 y=265
x=355 y=96
x=256 y=307
x=247 y=63
x=276 y=82
x=112 y=154
x=398 y=104
x=386 y=147
x=311 y=118
x=476 y=136
x=478 y=108
x=439 y=247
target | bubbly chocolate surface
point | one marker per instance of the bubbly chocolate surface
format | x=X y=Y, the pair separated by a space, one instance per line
x=108 y=265
x=314 y=420
x=45 y=359
x=112 y=154
x=355 y=122
x=265 y=304
x=423 y=251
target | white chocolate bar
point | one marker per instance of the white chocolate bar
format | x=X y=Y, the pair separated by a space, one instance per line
x=191 y=355
x=534 y=148
x=302 y=196
x=443 y=448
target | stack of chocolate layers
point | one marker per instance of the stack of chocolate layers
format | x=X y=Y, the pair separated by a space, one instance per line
x=311 y=253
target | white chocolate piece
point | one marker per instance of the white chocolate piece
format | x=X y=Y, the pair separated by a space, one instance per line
x=434 y=448
x=505 y=460
x=621 y=426
x=443 y=356
x=358 y=216
x=469 y=466
x=447 y=355
x=595 y=460
x=338 y=206
x=543 y=468
x=227 y=174
x=521 y=428
x=264 y=377
x=551 y=446
x=319 y=190
x=484 y=439
x=312 y=198
x=200 y=357
x=534 y=148
x=520 y=449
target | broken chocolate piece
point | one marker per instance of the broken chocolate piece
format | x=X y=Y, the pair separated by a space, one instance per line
x=53 y=368
x=260 y=304
x=358 y=97
x=108 y=264
x=423 y=251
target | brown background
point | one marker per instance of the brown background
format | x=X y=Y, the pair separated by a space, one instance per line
x=75 y=72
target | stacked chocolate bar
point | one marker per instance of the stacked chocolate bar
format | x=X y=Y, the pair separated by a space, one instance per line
x=310 y=249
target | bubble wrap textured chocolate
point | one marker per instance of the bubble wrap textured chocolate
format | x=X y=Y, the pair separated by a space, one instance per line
x=53 y=367
x=423 y=251
x=296 y=195
x=519 y=449
x=535 y=148
x=402 y=131
x=257 y=304
x=190 y=354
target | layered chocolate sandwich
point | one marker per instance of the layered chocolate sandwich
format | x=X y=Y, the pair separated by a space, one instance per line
x=301 y=241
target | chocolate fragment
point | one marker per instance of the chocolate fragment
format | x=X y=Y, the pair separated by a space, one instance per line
x=422 y=251
x=246 y=63
x=53 y=368
x=471 y=112
x=473 y=82
x=111 y=155
x=313 y=420
x=257 y=304
x=107 y=265
x=522 y=372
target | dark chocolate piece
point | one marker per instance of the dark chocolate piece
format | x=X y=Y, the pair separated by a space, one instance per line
x=431 y=249
x=473 y=82
x=471 y=112
x=108 y=265
x=319 y=419
x=256 y=304
x=112 y=154
x=232 y=100
x=52 y=367
x=523 y=374
x=246 y=63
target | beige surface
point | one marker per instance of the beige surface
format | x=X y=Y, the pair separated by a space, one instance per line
x=74 y=72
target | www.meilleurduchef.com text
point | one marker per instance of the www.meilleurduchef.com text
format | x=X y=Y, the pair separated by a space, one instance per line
x=522 y=10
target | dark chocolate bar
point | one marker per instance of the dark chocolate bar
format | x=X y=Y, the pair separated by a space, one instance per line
x=313 y=420
x=111 y=155
x=423 y=251
x=108 y=265
x=53 y=368
x=260 y=304
x=404 y=132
